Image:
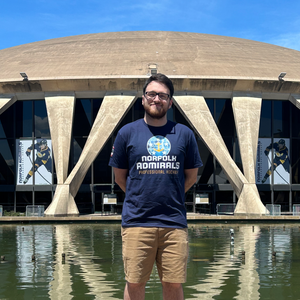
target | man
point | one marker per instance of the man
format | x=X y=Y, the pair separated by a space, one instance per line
x=43 y=157
x=155 y=162
x=281 y=157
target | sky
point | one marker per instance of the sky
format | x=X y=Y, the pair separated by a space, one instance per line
x=270 y=21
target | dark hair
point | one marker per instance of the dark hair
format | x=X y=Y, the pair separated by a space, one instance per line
x=162 y=79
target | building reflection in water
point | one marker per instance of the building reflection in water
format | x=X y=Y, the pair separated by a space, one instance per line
x=61 y=284
x=227 y=259
x=248 y=275
x=83 y=255
x=33 y=252
x=93 y=262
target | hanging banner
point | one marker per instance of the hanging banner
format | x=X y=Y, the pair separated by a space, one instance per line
x=276 y=153
x=34 y=160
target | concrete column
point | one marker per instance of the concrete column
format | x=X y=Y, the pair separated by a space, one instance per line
x=60 y=110
x=246 y=112
x=295 y=99
x=6 y=102
x=198 y=114
x=111 y=112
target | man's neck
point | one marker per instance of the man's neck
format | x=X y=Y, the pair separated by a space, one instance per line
x=155 y=122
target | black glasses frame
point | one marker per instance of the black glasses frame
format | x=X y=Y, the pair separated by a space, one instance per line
x=157 y=94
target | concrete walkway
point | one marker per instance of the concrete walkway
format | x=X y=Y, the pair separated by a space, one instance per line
x=192 y=218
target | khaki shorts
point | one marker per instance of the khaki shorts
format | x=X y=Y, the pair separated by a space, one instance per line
x=142 y=246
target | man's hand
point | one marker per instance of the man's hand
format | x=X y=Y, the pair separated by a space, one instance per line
x=28 y=152
x=267 y=152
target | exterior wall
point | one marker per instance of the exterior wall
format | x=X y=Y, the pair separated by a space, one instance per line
x=227 y=129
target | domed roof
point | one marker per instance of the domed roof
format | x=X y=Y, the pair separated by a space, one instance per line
x=129 y=54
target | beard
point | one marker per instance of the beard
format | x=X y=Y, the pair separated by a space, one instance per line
x=155 y=113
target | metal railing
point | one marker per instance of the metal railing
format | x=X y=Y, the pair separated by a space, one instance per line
x=296 y=210
x=273 y=209
x=35 y=210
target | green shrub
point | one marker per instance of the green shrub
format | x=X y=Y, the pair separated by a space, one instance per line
x=12 y=214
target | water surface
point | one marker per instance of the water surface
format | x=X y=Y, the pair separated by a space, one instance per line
x=34 y=267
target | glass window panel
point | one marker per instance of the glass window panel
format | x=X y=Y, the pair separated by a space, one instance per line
x=2 y=133
x=7 y=201
x=265 y=197
x=281 y=119
x=41 y=124
x=295 y=160
x=170 y=114
x=210 y=104
x=43 y=198
x=282 y=198
x=23 y=199
x=102 y=171
x=295 y=121
x=224 y=117
x=179 y=118
x=295 y=197
x=54 y=170
x=84 y=203
x=220 y=176
x=224 y=197
x=127 y=119
x=7 y=162
x=78 y=144
x=237 y=155
x=24 y=118
x=205 y=173
x=138 y=109
x=96 y=106
x=265 y=119
x=7 y=123
x=82 y=120
x=87 y=107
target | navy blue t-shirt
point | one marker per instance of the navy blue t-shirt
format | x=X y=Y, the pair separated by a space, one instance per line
x=156 y=158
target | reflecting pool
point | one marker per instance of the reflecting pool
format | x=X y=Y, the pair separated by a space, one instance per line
x=84 y=261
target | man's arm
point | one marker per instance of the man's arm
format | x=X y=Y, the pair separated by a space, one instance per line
x=121 y=177
x=190 y=178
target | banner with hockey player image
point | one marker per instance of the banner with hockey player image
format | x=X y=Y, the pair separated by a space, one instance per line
x=34 y=160
x=280 y=170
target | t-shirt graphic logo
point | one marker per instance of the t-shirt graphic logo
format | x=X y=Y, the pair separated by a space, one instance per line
x=158 y=146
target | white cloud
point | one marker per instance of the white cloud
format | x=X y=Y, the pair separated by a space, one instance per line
x=288 y=40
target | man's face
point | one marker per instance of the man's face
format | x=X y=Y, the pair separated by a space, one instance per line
x=280 y=146
x=42 y=146
x=156 y=108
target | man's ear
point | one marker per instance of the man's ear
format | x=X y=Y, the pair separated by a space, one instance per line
x=143 y=100
x=170 y=104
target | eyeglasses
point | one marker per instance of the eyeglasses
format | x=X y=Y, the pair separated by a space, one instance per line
x=161 y=96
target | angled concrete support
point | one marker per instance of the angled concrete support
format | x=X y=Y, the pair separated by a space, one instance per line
x=6 y=102
x=246 y=112
x=198 y=114
x=295 y=99
x=111 y=112
x=63 y=203
x=60 y=110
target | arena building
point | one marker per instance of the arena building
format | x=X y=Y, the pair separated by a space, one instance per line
x=63 y=100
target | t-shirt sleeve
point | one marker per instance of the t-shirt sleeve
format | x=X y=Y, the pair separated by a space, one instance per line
x=192 y=158
x=118 y=157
